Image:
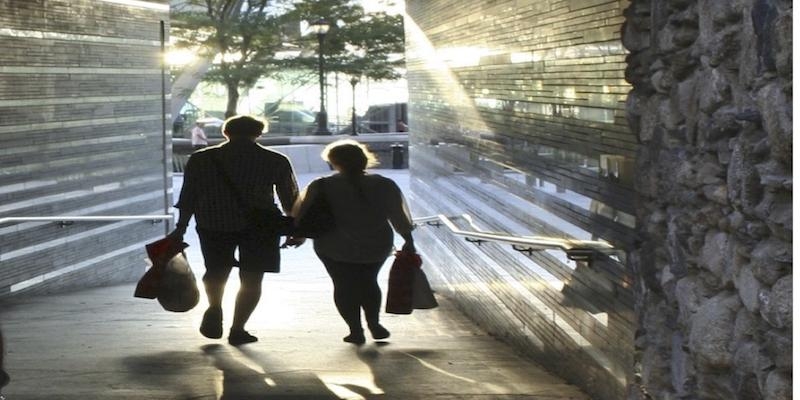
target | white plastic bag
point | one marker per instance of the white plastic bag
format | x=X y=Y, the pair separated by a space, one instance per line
x=178 y=289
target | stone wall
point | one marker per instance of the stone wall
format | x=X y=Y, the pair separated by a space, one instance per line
x=711 y=106
x=80 y=134
x=517 y=118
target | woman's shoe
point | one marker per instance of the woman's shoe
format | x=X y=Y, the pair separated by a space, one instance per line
x=379 y=332
x=238 y=337
x=355 y=338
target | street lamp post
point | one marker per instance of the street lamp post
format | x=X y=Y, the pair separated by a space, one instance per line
x=354 y=81
x=320 y=28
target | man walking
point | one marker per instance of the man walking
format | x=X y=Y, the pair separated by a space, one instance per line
x=216 y=182
x=199 y=138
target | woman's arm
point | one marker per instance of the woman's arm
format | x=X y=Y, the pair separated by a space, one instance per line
x=408 y=246
x=304 y=198
x=400 y=217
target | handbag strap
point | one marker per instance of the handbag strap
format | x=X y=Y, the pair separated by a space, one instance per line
x=228 y=181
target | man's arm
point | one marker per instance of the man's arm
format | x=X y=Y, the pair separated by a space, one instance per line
x=286 y=186
x=287 y=194
x=186 y=200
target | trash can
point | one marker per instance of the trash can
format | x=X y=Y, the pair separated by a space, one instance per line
x=397 y=156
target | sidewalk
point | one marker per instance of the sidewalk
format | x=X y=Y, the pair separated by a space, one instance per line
x=105 y=344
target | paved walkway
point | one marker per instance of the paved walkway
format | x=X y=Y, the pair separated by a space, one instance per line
x=105 y=344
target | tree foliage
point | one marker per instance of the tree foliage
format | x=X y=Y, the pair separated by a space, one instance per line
x=358 y=43
x=240 y=36
x=246 y=37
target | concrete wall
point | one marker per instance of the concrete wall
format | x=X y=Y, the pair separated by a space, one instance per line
x=712 y=106
x=80 y=134
x=517 y=114
x=391 y=149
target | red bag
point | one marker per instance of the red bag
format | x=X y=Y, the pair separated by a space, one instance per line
x=401 y=279
x=408 y=285
x=159 y=253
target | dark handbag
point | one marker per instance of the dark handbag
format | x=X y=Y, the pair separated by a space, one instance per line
x=421 y=293
x=408 y=285
x=271 y=220
x=317 y=219
x=264 y=219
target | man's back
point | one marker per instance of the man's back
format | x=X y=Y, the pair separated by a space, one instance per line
x=256 y=172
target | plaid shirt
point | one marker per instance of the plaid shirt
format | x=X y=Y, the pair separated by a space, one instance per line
x=256 y=171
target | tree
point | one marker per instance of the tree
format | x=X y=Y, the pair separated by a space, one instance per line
x=359 y=44
x=242 y=37
x=374 y=45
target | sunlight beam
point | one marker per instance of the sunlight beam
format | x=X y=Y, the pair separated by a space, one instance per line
x=420 y=49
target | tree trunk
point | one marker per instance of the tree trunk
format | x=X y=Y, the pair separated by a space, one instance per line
x=233 y=98
x=185 y=84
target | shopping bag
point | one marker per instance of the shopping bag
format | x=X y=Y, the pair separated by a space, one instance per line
x=169 y=279
x=158 y=254
x=401 y=279
x=408 y=286
x=147 y=287
x=178 y=289
x=421 y=294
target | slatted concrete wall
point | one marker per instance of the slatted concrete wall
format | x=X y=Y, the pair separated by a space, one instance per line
x=80 y=134
x=517 y=117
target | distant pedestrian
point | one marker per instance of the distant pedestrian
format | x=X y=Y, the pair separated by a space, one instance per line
x=199 y=139
x=224 y=225
x=365 y=207
x=177 y=126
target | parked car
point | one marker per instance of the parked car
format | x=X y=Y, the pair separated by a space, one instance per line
x=211 y=126
x=291 y=122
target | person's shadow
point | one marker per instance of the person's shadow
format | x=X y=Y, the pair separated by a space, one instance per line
x=410 y=373
x=247 y=377
x=243 y=375
x=172 y=372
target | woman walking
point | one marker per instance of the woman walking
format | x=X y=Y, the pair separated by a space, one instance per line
x=365 y=208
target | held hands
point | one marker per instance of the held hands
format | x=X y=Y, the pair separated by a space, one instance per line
x=292 y=241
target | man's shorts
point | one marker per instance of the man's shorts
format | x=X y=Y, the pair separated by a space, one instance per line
x=258 y=251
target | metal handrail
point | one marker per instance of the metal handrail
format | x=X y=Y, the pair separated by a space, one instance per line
x=65 y=220
x=576 y=250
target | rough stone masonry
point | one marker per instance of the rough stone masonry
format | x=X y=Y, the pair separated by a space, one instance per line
x=711 y=105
